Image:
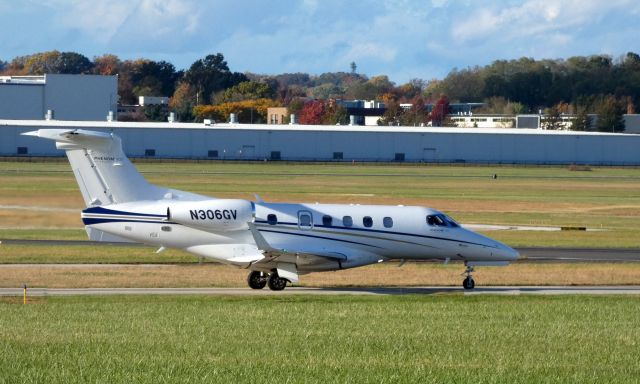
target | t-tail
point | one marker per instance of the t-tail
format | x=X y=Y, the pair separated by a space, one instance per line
x=103 y=172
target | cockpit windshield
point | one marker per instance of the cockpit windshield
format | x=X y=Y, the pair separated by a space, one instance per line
x=441 y=220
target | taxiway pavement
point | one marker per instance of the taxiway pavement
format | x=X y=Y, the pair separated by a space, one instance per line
x=489 y=290
x=531 y=254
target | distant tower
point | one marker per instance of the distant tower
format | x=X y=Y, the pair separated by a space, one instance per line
x=353 y=67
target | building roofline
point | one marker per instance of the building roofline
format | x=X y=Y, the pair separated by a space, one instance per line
x=291 y=128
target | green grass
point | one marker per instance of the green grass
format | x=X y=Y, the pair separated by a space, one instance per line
x=84 y=254
x=402 y=339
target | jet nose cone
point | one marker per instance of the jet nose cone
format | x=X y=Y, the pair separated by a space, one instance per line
x=508 y=253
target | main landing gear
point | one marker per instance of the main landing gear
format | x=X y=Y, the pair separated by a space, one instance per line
x=468 y=282
x=258 y=280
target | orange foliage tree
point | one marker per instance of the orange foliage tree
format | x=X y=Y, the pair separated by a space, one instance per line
x=247 y=111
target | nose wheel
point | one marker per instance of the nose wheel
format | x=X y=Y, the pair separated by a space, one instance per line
x=468 y=282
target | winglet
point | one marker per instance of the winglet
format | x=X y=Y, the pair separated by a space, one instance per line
x=261 y=242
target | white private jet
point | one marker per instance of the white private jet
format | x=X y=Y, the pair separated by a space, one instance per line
x=277 y=242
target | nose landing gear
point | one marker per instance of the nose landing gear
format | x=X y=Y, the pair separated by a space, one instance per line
x=468 y=282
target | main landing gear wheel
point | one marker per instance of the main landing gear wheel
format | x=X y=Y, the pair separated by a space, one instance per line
x=468 y=282
x=257 y=280
x=275 y=282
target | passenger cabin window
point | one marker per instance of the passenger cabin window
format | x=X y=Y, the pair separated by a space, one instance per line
x=305 y=220
x=387 y=222
x=327 y=220
x=347 y=221
x=272 y=219
x=367 y=221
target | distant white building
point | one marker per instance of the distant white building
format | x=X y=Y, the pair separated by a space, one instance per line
x=483 y=121
x=339 y=143
x=57 y=96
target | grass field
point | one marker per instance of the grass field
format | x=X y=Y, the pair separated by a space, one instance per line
x=399 y=339
x=603 y=198
x=384 y=339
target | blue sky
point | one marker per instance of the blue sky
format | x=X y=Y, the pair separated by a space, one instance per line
x=403 y=39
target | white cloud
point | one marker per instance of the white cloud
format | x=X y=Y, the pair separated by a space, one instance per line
x=533 y=18
x=104 y=20
x=100 y=18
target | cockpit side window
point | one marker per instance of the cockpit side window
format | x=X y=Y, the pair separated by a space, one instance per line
x=452 y=223
x=437 y=220
x=272 y=219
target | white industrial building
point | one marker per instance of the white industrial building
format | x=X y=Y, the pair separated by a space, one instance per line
x=63 y=97
x=339 y=143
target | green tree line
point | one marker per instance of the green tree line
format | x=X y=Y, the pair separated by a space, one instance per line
x=578 y=85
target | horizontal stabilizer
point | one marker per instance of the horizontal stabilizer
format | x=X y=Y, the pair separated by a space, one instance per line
x=79 y=137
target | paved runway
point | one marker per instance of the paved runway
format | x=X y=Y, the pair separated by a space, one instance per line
x=525 y=290
x=532 y=254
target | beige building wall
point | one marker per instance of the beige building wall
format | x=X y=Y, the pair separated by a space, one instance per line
x=276 y=115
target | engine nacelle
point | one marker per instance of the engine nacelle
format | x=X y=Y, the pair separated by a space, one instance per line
x=214 y=215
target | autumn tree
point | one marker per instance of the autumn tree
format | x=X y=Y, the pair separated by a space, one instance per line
x=552 y=119
x=312 y=112
x=393 y=113
x=581 y=121
x=416 y=115
x=500 y=105
x=440 y=111
x=107 y=65
x=370 y=89
x=290 y=93
x=73 y=63
x=154 y=78
x=325 y=91
x=210 y=75
x=414 y=88
x=247 y=111
x=247 y=90
x=183 y=101
x=295 y=106
x=54 y=62
x=610 y=114
x=334 y=114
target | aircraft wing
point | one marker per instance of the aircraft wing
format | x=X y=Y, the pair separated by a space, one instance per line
x=272 y=254
x=287 y=262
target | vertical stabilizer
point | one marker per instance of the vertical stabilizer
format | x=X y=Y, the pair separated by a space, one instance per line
x=103 y=172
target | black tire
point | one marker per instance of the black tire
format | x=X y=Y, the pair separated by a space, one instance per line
x=468 y=283
x=256 y=280
x=276 y=283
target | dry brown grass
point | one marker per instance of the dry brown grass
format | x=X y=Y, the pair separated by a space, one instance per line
x=89 y=276
x=21 y=218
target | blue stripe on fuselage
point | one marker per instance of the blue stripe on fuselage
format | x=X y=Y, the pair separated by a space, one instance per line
x=382 y=231
x=106 y=211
